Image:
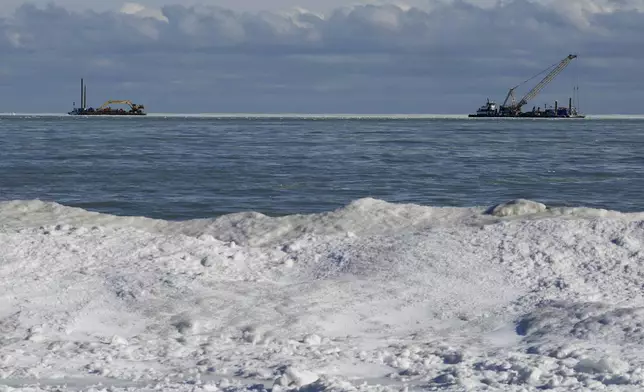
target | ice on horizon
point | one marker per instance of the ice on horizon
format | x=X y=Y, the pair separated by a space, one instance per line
x=316 y=116
x=374 y=296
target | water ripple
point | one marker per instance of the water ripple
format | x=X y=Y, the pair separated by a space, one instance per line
x=181 y=168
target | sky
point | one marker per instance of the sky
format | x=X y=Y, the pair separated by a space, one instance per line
x=314 y=56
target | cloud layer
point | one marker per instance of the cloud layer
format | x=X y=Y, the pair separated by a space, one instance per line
x=444 y=58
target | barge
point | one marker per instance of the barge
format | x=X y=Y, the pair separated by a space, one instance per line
x=512 y=108
x=106 y=108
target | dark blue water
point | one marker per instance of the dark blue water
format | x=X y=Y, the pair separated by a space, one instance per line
x=180 y=168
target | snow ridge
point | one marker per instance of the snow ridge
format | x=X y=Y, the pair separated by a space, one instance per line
x=374 y=296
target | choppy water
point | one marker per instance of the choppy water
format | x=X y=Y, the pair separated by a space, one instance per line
x=180 y=168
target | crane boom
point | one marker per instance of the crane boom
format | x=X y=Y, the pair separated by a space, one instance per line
x=515 y=108
x=547 y=79
x=510 y=95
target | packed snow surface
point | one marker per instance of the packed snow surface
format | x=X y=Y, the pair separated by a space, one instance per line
x=371 y=297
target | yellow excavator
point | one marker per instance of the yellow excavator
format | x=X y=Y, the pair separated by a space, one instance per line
x=134 y=108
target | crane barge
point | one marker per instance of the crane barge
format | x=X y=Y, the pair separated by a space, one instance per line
x=106 y=108
x=512 y=108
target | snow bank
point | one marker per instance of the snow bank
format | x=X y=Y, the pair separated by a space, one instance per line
x=374 y=296
x=517 y=207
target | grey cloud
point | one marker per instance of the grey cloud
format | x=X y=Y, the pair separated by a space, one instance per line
x=371 y=58
x=365 y=28
x=8 y=6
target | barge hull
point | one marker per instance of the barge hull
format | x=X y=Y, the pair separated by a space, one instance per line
x=105 y=113
x=526 y=115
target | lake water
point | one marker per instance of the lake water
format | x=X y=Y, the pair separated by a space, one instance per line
x=182 y=168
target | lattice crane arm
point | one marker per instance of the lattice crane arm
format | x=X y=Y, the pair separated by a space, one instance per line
x=547 y=79
x=510 y=95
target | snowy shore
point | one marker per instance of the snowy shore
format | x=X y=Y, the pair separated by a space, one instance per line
x=371 y=297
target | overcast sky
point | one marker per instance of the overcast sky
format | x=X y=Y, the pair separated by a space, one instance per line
x=314 y=56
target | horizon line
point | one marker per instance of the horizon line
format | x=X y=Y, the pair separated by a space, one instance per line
x=302 y=115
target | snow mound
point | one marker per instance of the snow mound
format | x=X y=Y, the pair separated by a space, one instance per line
x=372 y=297
x=586 y=322
x=517 y=207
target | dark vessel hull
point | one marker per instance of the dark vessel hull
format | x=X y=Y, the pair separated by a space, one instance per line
x=526 y=115
x=491 y=110
x=104 y=113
